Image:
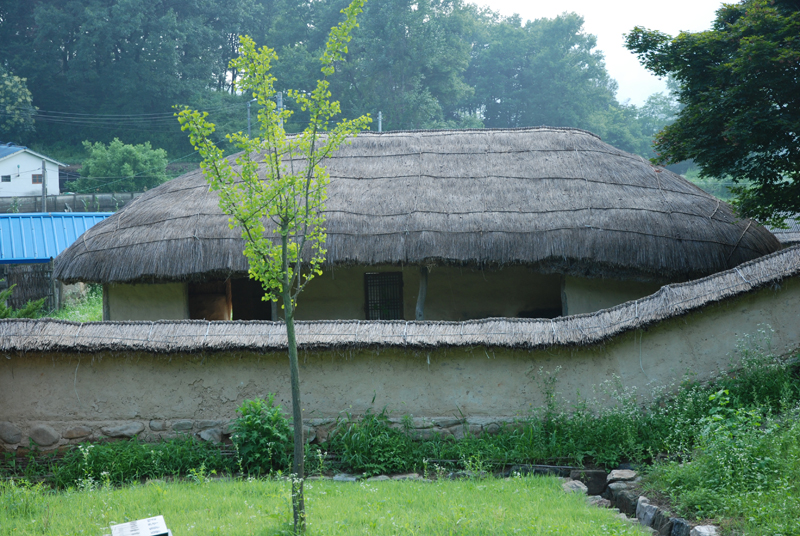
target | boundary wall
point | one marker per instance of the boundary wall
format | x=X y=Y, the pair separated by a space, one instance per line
x=57 y=388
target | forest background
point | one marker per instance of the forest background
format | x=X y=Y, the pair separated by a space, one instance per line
x=104 y=69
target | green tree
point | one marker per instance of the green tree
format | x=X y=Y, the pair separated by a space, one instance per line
x=633 y=128
x=542 y=72
x=102 y=58
x=120 y=167
x=276 y=196
x=741 y=101
x=16 y=108
x=407 y=60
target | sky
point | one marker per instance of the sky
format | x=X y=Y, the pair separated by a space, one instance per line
x=610 y=20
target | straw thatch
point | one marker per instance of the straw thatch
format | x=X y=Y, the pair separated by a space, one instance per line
x=201 y=336
x=790 y=236
x=559 y=200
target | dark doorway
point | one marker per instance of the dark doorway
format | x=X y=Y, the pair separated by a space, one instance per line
x=210 y=301
x=247 y=302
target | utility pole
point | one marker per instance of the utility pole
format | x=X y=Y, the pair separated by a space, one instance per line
x=248 y=116
x=279 y=97
x=44 y=186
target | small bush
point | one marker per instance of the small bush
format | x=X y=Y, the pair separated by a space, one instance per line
x=262 y=436
x=371 y=446
x=32 y=309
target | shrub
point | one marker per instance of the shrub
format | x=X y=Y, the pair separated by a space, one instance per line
x=262 y=436
x=371 y=445
x=32 y=309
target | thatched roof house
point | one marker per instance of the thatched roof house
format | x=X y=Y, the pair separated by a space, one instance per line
x=516 y=222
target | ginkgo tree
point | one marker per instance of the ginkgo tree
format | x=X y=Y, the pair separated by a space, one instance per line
x=276 y=191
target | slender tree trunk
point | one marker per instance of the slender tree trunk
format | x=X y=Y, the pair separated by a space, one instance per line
x=298 y=465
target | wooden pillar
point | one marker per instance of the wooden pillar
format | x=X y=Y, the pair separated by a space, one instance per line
x=423 y=290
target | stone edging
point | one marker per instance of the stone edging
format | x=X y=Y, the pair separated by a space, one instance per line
x=618 y=490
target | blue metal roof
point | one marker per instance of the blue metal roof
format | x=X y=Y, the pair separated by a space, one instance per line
x=38 y=237
x=6 y=150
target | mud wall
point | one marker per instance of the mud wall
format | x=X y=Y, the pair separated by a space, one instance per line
x=63 y=398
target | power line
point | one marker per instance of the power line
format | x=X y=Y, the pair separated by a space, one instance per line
x=117 y=116
x=126 y=122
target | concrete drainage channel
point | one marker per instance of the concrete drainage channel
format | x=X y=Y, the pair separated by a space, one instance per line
x=617 y=489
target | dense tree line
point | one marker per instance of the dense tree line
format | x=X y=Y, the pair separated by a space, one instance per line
x=94 y=66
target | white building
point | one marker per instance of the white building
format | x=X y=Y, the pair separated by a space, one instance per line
x=21 y=172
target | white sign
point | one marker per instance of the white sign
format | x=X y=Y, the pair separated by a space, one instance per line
x=152 y=526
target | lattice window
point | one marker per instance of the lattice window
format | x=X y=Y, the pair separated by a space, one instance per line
x=384 y=295
x=36 y=178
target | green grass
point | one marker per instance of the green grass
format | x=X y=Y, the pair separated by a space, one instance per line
x=529 y=505
x=89 y=309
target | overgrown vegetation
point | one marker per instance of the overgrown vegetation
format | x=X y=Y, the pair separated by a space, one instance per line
x=619 y=430
x=86 y=309
x=116 y=463
x=744 y=467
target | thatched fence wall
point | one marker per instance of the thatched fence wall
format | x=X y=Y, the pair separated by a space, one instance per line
x=67 y=382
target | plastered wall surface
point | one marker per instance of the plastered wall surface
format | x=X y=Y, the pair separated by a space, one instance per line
x=165 y=301
x=92 y=392
x=454 y=293
x=583 y=295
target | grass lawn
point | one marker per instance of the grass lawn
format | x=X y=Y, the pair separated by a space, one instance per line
x=528 y=505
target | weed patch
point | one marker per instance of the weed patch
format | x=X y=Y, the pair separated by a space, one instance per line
x=88 y=309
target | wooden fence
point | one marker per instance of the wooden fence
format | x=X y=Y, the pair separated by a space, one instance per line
x=33 y=282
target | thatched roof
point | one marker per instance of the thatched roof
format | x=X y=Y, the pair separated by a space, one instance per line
x=203 y=336
x=791 y=235
x=558 y=199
